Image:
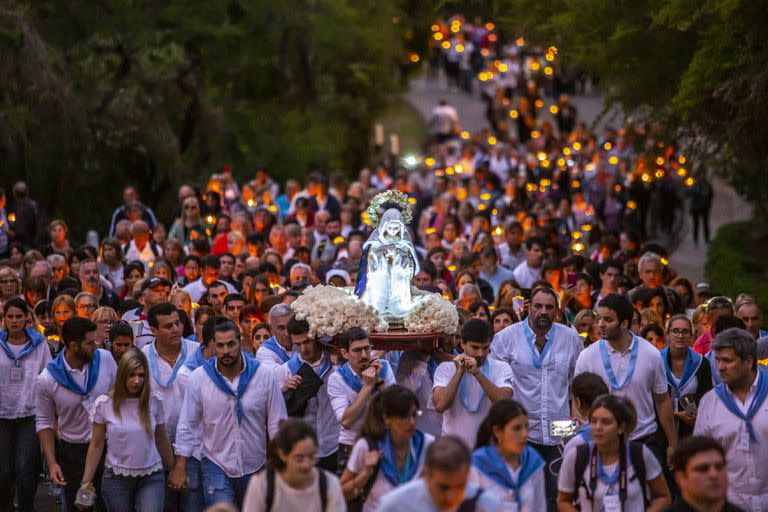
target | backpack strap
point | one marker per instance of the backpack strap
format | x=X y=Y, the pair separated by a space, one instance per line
x=323 y=481
x=638 y=463
x=582 y=459
x=372 y=445
x=270 y=490
x=470 y=504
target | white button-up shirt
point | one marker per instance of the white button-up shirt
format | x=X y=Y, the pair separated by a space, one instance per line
x=173 y=395
x=17 y=399
x=413 y=373
x=457 y=420
x=208 y=416
x=649 y=378
x=267 y=355
x=67 y=412
x=196 y=289
x=747 y=462
x=544 y=392
x=319 y=412
x=342 y=397
x=142 y=332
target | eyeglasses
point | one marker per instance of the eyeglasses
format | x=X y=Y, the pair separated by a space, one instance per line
x=107 y=322
x=8 y=281
x=680 y=332
x=190 y=207
x=360 y=350
x=719 y=302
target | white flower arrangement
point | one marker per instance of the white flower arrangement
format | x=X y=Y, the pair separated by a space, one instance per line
x=375 y=209
x=331 y=311
x=432 y=313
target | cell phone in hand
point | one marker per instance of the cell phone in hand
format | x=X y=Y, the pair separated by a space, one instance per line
x=563 y=428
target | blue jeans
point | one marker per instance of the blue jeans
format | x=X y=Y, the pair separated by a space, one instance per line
x=219 y=488
x=20 y=463
x=133 y=493
x=190 y=499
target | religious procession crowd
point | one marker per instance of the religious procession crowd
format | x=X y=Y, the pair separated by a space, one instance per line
x=163 y=367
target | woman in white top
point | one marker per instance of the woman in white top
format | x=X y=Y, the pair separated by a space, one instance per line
x=291 y=481
x=133 y=420
x=504 y=464
x=389 y=450
x=609 y=480
x=23 y=355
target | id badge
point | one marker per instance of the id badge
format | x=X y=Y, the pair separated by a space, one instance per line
x=17 y=374
x=743 y=442
x=611 y=503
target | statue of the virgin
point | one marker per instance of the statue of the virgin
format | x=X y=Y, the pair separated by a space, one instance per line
x=387 y=267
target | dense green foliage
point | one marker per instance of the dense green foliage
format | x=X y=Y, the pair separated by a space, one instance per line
x=732 y=270
x=98 y=94
x=698 y=67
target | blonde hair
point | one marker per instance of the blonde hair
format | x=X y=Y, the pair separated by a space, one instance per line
x=651 y=317
x=6 y=272
x=104 y=312
x=130 y=361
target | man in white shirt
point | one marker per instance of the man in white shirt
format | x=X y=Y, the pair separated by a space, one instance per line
x=529 y=271
x=351 y=386
x=153 y=291
x=610 y=275
x=231 y=404
x=632 y=367
x=735 y=413
x=542 y=357
x=209 y=274
x=142 y=248
x=464 y=389
x=512 y=252
x=491 y=271
x=167 y=354
x=314 y=400
x=278 y=349
x=65 y=392
x=443 y=485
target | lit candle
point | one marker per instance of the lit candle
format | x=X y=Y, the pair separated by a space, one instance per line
x=378 y=138
x=394 y=144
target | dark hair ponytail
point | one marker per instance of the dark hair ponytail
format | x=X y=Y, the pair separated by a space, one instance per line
x=291 y=432
x=501 y=413
x=394 y=402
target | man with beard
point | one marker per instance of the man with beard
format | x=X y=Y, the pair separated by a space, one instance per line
x=351 y=387
x=228 y=403
x=91 y=282
x=464 y=389
x=65 y=391
x=542 y=357
x=633 y=368
x=167 y=354
x=153 y=291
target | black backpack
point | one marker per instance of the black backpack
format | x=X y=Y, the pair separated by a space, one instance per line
x=470 y=504
x=356 y=505
x=271 y=489
x=635 y=457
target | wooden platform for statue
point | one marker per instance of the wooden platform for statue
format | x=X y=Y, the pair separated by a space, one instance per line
x=403 y=340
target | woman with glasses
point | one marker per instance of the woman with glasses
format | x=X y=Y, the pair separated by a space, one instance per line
x=10 y=284
x=291 y=481
x=389 y=450
x=104 y=318
x=189 y=221
x=689 y=374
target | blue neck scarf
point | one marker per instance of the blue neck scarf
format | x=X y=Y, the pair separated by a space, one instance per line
x=692 y=363
x=295 y=362
x=197 y=360
x=615 y=386
x=58 y=370
x=463 y=391
x=155 y=371
x=433 y=364
x=353 y=381
x=585 y=432
x=716 y=380
x=35 y=340
x=757 y=402
x=250 y=366
x=271 y=344
x=389 y=460
x=537 y=359
x=488 y=461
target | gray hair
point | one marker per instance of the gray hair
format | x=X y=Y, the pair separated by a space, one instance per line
x=300 y=266
x=55 y=257
x=468 y=289
x=279 y=310
x=84 y=295
x=740 y=341
x=649 y=257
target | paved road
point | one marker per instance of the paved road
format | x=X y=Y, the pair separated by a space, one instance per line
x=687 y=259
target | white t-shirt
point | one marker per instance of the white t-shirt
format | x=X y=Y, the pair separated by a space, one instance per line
x=532 y=495
x=648 y=378
x=131 y=451
x=567 y=482
x=288 y=499
x=525 y=275
x=381 y=485
x=457 y=420
x=17 y=399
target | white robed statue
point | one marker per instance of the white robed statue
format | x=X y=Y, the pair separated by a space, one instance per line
x=387 y=267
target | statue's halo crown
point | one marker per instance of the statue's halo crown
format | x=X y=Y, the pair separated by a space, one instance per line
x=385 y=200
